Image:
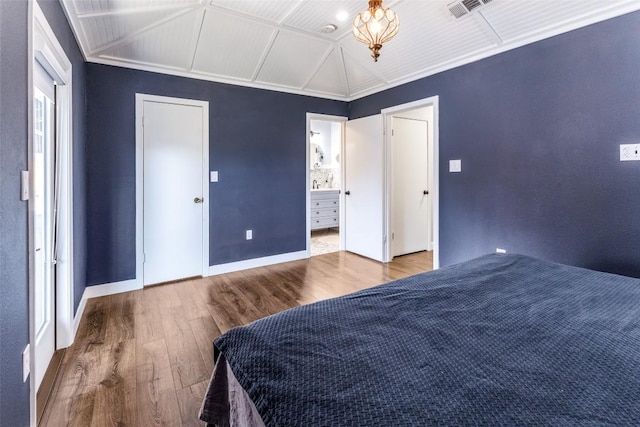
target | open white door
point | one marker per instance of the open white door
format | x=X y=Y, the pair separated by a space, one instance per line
x=364 y=187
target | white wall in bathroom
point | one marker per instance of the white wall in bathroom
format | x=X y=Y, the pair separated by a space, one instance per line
x=321 y=136
x=336 y=139
x=328 y=138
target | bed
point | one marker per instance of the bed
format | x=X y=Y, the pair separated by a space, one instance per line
x=499 y=340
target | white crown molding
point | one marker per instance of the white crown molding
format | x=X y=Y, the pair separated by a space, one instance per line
x=218 y=79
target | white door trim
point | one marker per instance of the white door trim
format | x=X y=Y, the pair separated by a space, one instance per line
x=328 y=118
x=140 y=99
x=387 y=114
x=48 y=52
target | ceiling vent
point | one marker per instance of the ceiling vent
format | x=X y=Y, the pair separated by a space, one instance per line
x=464 y=7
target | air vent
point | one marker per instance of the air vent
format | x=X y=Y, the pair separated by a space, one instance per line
x=464 y=7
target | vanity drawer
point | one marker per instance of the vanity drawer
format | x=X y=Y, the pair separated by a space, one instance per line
x=324 y=203
x=324 y=212
x=324 y=222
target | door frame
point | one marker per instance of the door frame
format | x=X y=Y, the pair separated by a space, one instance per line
x=327 y=118
x=140 y=100
x=48 y=52
x=387 y=114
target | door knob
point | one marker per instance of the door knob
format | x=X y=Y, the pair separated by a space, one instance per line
x=347 y=192
x=198 y=200
x=425 y=192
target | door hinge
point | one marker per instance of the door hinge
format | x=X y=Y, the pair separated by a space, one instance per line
x=392 y=134
x=384 y=239
x=142 y=121
x=144 y=258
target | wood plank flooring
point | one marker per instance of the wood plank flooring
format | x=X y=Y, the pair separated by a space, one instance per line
x=144 y=358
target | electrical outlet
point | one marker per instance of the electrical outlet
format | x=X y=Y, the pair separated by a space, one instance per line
x=249 y=234
x=629 y=152
x=26 y=361
x=501 y=251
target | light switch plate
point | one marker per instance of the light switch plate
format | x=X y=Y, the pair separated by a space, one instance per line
x=455 y=165
x=629 y=152
x=249 y=234
x=24 y=185
x=214 y=176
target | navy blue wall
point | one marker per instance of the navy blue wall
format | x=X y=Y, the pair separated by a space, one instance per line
x=14 y=265
x=538 y=131
x=58 y=22
x=257 y=143
x=14 y=268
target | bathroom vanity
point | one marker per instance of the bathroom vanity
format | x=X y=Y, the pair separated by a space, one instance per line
x=325 y=208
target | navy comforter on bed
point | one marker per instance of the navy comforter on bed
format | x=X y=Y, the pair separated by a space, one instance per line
x=499 y=340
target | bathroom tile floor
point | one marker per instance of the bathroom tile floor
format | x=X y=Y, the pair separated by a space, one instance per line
x=325 y=241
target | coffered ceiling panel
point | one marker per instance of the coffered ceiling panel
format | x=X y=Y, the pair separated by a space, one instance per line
x=168 y=43
x=105 y=30
x=359 y=78
x=312 y=16
x=293 y=59
x=283 y=44
x=239 y=48
x=516 y=20
x=270 y=10
x=330 y=77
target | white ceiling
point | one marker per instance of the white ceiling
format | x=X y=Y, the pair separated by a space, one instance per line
x=278 y=44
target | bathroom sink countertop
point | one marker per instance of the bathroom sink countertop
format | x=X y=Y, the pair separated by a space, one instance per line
x=325 y=189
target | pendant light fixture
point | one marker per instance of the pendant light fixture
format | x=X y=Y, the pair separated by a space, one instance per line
x=375 y=26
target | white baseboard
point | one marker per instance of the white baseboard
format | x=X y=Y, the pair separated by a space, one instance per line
x=257 y=262
x=78 y=316
x=111 y=288
x=100 y=291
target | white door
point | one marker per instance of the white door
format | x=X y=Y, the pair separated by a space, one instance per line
x=409 y=187
x=173 y=191
x=364 y=188
x=43 y=202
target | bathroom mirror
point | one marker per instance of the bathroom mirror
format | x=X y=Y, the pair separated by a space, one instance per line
x=316 y=156
x=324 y=149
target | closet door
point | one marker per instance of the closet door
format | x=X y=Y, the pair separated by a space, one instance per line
x=410 y=209
x=173 y=191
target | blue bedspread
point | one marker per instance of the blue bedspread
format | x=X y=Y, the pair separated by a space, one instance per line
x=499 y=340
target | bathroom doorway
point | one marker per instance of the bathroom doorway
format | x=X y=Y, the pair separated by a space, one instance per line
x=325 y=166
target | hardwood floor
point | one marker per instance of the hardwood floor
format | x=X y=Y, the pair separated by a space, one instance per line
x=144 y=358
